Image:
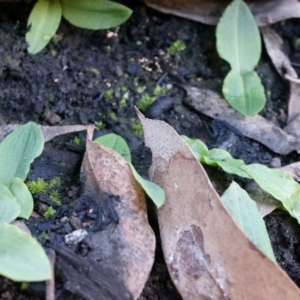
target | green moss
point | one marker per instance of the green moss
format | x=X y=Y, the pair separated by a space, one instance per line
x=95 y=71
x=176 y=47
x=38 y=186
x=24 y=285
x=124 y=100
x=159 y=91
x=54 y=182
x=62 y=164
x=53 y=52
x=77 y=140
x=44 y=236
x=55 y=197
x=99 y=125
x=49 y=212
x=113 y=116
x=145 y=101
x=108 y=94
x=137 y=128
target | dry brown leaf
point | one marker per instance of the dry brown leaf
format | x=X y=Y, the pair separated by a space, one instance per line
x=208 y=256
x=255 y=127
x=50 y=132
x=274 y=47
x=127 y=248
x=265 y=202
x=209 y=11
x=293 y=169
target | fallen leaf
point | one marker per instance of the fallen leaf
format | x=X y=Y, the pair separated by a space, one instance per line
x=126 y=248
x=265 y=202
x=208 y=12
x=255 y=127
x=50 y=132
x=293 y=169
x=207 y=255
x=274 y=46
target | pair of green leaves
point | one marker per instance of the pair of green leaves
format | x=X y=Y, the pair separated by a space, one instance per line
x=119 y=145
x=21 y=256
x=278 y=183
x=239 y=43
x=90 y=14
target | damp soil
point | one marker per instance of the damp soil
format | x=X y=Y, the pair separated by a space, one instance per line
x=85 y=77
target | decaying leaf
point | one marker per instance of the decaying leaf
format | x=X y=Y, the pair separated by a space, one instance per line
x=255 y=127
x=293 y=169
x=50 y=132
x=265 y=202
x=208 y=12
x=127 y=248
x=208 y=256
x=274 y=47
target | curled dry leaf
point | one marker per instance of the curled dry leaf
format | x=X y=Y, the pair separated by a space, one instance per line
x=50 y=132
x=208 y=256
x=274 y=46
x=127 y=248
x=255 y=127
x=208 y=12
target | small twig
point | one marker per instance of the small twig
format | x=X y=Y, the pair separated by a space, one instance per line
x=290 y=78
x=295 y=64
x=50 y=284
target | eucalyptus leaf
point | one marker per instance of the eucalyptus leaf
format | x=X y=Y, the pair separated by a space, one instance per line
x=117 y=143
x=21 y=257
x=43 y=22
x=18 y=150
x=91 y=14
x=244 y=93
x=238 y=38
x=9 y=207
x=244 y=211
x=154 y=191
x=23 y=196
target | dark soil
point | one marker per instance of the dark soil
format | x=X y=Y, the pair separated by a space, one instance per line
x=97 y=77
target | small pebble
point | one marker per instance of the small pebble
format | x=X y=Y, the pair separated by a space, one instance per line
x=275 y=162
x=162 y=104
x=75 y=237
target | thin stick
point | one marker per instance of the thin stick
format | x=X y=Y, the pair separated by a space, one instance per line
x=290 y=78
x=50 y=284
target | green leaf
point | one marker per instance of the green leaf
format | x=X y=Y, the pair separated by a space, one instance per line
x=116 y=143
x=278 y=183
x=154 y=191
x=221 y=158
x=244 y=211
x=198 y=147
x=244 y=93
x=18 y=150
x=21 y=257
x=43 y=21
x=9 y=207
x=238 y=38
x=91 y=14
x=23 y=196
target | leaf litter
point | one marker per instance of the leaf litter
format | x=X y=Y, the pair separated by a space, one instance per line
x=126 y=245
x=205 y=251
